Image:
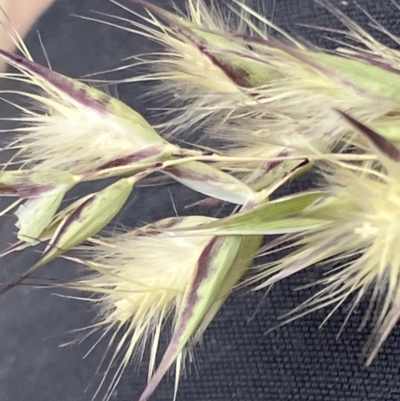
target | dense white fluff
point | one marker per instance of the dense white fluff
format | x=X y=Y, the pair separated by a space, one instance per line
x=360 y=242
x=143 y=276
x=75 y=127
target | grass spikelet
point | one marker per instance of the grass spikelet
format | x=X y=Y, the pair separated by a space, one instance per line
x=150 y=274
x=272 y=92
x=362 y=210
x=77 y=128
x=143 y=276
x=71 y=226
x=189 y=66
x=220 y=266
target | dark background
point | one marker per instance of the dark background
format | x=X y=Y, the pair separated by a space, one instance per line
x=239 y=358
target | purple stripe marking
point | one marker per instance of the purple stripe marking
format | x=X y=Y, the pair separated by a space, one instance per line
x=72 y=217
x=30 y=191
x=190 y=175
x=386 y=147
x=237 y=75
x=201 y=275
x=7 y=190
x=59 y=81
x=132 y=158
x=25 y=191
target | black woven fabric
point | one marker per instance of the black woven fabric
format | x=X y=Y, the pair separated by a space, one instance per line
x=239 y=359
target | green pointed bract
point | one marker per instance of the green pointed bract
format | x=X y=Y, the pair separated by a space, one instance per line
x=210 y=181
x=35 y=215
x=282 y=216
x=87 y=219
x=53 y=225
x=38 y=224
x=220 y=266
x=44 y=191
x=367 y=77
x=229 y=55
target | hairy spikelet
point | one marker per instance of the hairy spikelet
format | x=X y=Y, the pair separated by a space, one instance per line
x=360 y=240
x=143 y=277
x=256 y=96
x=250 y=89
x=75 y=127
x=148 y=275
x=200 y=87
